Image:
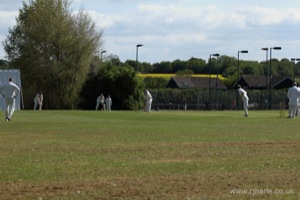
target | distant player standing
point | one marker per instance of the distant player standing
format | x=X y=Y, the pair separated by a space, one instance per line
x=9 y=91
x=41 y=101
x=293 y=96
x=243 y=95
x=108 y=102
x=148 y=98
x=38 y=100
x=100 y=101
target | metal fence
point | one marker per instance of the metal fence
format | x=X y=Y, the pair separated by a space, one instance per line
x=176 y=99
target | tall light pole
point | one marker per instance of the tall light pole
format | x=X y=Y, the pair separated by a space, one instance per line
x=243 y=51
x=266 y=70
x=217 y=92
x=270 y=85
x=209 y=81
x=217 y=55
x=294 y=61
x=275 y=48
x=137 y=54
x=102 y=52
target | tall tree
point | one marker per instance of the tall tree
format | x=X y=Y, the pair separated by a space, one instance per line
x=178 y=65
x=286 y=67
x=53 y=47
x=162 y=67
x=196 y=64
x=121 y=83
x=3 y=64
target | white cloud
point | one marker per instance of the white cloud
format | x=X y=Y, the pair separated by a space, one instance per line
x=103 y=20
x=270 y=16
x=172 y=29
x=7 y=18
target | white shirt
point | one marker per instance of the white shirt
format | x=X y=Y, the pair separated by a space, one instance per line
x=293 y=95
x=98 y=99
x=10 y=90
x=243 y=93
x=108 y=101
x=148 y=96
x=36 y=98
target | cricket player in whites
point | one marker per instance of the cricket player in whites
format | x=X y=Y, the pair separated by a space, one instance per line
x=293 y=96
x=9 y=91
x=243 y=95
x=148 y=98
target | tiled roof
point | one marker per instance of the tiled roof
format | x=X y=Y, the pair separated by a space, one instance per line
x=260 y=82
x=195 y=82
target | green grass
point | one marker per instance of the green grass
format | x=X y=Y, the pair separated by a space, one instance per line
x=208 y=153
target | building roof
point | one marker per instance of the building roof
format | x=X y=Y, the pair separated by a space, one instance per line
x=187 y=82
x=260 y=82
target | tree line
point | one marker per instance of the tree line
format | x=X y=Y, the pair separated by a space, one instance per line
x=224 y=65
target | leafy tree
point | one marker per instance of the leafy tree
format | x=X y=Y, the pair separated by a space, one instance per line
x=114 y=60
x=195 y=64
x=211 y=66
x=155 y=82
x=248 y=71
x=131 y=63
x=162 y=67
x=4 y=64
x=274 y=67
x=230 y=71
x=121 y=83
x=146 y=67
x=95 y=64
x=286 y=67
x=178 y=65
x=53 y=48
x=256 y=67
x=226 y=62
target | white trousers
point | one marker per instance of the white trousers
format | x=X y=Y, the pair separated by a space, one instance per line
x=292 y=110
x=97 y=105
x=245 y=104
x=148 y=105
x=35 y=105
x=10 y=108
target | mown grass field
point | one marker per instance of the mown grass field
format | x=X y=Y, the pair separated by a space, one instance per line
x=160 y=155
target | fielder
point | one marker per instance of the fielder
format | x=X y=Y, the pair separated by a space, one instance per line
x=38 y=100
x=9 y=91
x=243 y=95
x=293 y=96
x=100 y=101
x=148 y=98
x=108 y=103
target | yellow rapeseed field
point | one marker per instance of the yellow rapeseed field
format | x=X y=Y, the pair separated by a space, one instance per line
x=168 y=76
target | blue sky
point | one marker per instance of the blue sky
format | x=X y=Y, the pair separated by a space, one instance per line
x=181 y=29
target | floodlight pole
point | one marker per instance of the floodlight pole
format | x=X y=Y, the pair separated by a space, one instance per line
x=270 y=82
x=243 y=51
x=295 y=60
x=266 y=70
x=209 y=81
x=137 y=54
x=217 y=91
x=102 y=52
